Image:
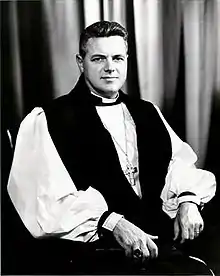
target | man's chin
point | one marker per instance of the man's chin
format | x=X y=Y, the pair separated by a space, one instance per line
x=109 y=92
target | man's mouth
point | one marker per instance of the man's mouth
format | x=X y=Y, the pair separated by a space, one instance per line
x=109 y=78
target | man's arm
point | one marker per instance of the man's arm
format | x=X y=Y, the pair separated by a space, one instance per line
x=186 y=189
x=42 y=191
x=49 y=203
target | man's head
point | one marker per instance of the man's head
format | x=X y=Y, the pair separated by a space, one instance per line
x=103 y=57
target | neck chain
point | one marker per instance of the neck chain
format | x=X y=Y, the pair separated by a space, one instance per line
x=130 y=169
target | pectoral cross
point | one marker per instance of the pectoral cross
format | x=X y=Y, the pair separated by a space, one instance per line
x=130 y=171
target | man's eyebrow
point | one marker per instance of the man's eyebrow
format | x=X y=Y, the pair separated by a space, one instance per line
x=104 y=56
x=98 y=55
x=119 y=55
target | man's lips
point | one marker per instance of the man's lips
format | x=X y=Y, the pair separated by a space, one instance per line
x=109 y=78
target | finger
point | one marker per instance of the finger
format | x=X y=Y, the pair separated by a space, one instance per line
x=184 y=235
x=146 y=253
x=176 y=229
x=201 y=228
x=191 y=232
x=153 y=237
x=152 y=247
x=196 y=230
x=128 y=252
x=137 y=253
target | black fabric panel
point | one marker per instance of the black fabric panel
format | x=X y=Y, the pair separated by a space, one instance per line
x=88 y=152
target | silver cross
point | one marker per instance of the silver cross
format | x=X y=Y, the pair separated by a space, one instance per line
x=130 y=171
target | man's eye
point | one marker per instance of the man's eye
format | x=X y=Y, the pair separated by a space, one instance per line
x=98 y=59
x=118 y=58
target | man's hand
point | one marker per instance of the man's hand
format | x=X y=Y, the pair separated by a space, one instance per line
x=188 y=222
x=133 y=240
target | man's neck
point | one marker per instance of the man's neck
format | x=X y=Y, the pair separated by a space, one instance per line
x=105 y=99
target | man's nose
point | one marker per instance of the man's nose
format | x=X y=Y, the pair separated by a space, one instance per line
x=109 y=65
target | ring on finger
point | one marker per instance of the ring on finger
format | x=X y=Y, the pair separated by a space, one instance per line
x=138 y=253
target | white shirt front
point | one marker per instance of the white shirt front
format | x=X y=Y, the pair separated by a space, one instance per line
x=118 y=121
x=48 y=201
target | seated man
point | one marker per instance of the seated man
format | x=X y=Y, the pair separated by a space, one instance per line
x=104 y=170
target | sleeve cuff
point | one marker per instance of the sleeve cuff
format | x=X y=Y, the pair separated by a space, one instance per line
x=111 y=221
x=189 y=198
x=107 y=222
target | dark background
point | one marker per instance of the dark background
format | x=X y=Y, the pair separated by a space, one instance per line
x=38 y=87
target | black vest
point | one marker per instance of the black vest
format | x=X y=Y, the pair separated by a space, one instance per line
x=88 y=153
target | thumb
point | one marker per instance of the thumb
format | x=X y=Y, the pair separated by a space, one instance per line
x=152 y=237
x=176 y=229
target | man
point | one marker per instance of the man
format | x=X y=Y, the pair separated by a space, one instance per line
x=97 y=167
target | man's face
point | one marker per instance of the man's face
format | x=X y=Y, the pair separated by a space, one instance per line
x=105 y=65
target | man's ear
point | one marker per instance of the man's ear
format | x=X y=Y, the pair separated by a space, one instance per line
x=79 y=61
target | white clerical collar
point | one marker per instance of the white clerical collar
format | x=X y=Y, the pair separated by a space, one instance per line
x=106 y=100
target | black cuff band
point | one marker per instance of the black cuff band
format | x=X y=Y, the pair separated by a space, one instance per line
x=101 y=230
x=186 y=194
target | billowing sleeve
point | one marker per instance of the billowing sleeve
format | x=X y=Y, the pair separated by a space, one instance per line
x=184 y=182
x=42 y=190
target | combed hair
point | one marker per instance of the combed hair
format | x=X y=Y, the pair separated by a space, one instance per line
x=101 y=29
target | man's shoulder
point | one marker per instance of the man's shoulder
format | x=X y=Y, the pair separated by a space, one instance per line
x=57 y=109
x=146 y=103
x=134 y=100
x=142 y=107
x=59 y=103
x=69 y=100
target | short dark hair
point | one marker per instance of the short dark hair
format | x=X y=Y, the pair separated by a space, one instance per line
x=101 y=29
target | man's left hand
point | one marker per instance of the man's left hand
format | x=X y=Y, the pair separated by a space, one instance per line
x=188 y=222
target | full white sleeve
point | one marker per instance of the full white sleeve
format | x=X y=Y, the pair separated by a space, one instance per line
x=42 y=190
x=184 y=182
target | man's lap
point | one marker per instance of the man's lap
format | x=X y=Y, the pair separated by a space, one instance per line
x=93 y=259
x=58 y=256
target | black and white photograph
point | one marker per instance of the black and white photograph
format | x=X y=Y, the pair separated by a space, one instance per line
x=110 y=137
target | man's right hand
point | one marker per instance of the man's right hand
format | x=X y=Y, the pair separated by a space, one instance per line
x=132 y=238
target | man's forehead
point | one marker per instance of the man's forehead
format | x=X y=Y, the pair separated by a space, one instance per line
x=111 y=44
